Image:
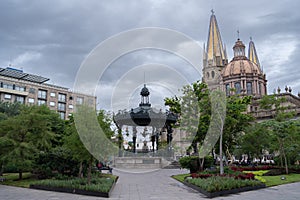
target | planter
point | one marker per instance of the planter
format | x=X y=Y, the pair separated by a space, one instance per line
x=224 y=192
x=75 y=191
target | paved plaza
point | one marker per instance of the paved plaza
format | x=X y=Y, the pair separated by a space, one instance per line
x=154 y=185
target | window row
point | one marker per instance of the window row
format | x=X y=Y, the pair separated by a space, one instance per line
x=238 y=88
x=12 y=86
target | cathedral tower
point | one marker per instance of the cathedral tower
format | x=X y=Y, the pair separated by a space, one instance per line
x=214 y=56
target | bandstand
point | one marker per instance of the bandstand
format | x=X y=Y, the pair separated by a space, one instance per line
x=159 y=124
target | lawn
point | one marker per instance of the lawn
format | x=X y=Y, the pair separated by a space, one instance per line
x=276 y=180
x=12 y=179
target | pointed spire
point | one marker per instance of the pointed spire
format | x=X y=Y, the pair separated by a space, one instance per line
x=215 y=51
x=252 y=55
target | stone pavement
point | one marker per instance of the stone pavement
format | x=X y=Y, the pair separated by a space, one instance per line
x=151 y=186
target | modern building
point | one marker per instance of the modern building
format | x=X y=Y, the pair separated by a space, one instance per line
x=243 y=75
x=29 y=89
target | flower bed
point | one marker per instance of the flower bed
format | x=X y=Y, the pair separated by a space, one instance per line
x=218 y=186
x=254 y=168
x=242 y=176
x=101 y=187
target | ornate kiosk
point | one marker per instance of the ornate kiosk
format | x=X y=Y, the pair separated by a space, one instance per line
x=157 y=122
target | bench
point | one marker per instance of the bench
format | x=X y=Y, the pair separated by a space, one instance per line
x=2 y=179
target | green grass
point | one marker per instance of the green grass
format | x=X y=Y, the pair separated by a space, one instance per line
x=276 y=180
x=180 y=177
x=12 y=179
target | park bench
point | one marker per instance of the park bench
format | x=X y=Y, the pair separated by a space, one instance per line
x=2 y=179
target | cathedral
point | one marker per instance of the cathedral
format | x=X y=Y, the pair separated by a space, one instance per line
x=243 y=75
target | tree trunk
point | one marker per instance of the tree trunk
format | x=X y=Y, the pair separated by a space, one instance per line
x=1 y=168
x=221 y=155
x=90 y=170
x=80 y=170
x=20 y=174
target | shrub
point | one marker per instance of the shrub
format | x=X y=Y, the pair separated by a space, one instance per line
x=97 y=184
x=217 y=183
x=193 y=164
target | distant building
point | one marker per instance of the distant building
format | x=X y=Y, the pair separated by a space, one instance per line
x=242 y=75
x=29 y=89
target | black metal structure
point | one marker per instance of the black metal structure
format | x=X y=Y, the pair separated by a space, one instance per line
x=145 y=115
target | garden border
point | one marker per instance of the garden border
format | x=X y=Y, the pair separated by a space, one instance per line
x=75 y=191
x=224 y=192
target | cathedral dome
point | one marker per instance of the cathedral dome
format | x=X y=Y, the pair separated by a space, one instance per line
x=241 y=66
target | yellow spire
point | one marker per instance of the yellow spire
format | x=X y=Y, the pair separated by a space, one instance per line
x=215 y=50
x=252 y=55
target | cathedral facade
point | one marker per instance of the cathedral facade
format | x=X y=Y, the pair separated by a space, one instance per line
x=243 y=75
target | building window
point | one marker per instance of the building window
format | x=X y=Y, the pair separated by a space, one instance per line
x=30 y=100
x=20 y=99
x=8 y=86
x=42 y=94
x=52 y=94
x=62 y=115
x=52 y=103
x=31 y=90
x=207 y=74
x=79 y=100
x=61 y=106
x=19 y=88
x=227 y=89
x=259 y=88
x=62 y=97
x=71 y=106
x=249 y=88
x=237 y=87
x=41 y=102
x=7 y=96
x=91 y=101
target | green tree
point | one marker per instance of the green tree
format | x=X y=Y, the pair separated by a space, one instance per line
x=73 y=142
x=93 y=136
x=26 y=134
x=281 y=126
x=255 y=140
x=236 y=122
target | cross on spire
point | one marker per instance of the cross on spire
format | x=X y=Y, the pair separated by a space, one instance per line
x=238 y=34
x=212 y=11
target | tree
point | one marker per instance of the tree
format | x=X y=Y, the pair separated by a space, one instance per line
x=93 y=136
x=73 y=142
x=26 y=134
x=236 y=122
x=255 y=140
x=281 y=127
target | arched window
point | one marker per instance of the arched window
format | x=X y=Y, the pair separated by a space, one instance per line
x=259 y=88
x=207 y=74
x=249 y=88
x=213 y=74
x=237 y=87
x=227 y=89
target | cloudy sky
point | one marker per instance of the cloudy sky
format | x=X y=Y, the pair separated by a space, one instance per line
x=52 y=39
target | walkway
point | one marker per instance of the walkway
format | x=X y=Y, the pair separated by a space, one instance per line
x=151 y=186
